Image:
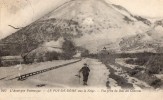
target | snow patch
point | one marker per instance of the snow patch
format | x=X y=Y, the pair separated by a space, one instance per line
x=57 y=43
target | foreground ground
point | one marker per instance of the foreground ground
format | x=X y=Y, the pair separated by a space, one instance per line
x=103 y=75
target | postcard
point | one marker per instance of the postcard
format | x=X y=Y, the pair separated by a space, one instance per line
x=81 y=49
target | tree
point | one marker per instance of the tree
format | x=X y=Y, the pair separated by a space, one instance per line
x=69 y=49
x=85 y=53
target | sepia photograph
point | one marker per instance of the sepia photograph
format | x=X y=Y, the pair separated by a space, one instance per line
x=80 y=44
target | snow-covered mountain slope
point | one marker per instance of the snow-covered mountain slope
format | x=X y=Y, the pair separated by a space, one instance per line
x=89 y=23
x=99 y=22
x=151 y=41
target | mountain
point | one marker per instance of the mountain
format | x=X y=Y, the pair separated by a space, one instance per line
x=150 y=41
x=90 y=24
x=137 y=43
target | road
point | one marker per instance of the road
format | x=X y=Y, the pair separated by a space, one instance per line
x=64 y=75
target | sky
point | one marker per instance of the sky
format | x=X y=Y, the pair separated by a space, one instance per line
x=20 y=13
x=146 y=8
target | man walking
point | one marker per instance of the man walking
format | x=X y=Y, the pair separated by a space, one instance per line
x=85 y=71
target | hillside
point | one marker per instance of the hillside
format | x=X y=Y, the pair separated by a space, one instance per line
x=37 y=34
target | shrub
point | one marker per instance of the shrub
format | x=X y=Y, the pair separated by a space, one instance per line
x=149 y=79
x=155 y=65
x=135 y=71
x=139 y=61
x=27 y=60
x=153 y=69
x=130 y=61
x=49 y=56
x=156 y=83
